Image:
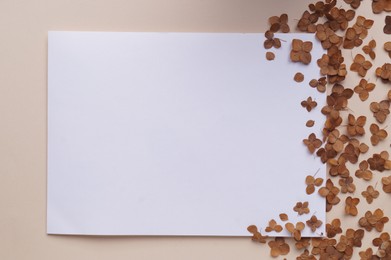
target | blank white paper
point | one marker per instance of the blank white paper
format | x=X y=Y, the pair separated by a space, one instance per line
x=177 y=134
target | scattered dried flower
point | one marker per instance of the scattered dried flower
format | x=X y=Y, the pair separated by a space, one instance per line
x=302 y=208
x=363 y=172
x=311 y=182
x=370 y=194
x=295 y=230
x=278 y=247
x=309 y=104
x=363 y=89
x=379 y=6
x=377 y=134
x=279 y=23
x=273 y=226
x=387 y=48
x=353 y=3
x=350 y=206
x=313 y=223
x=347 y=185
x=312 y=143
x=360 y=65
x=386 y=181
x=356 y=127
x=257 y=236
x=333 y=228
x=301 y=51
x=387 y=26
x=368 y=49
x=271 y=41
x=384 y=72
x=319 y=84
x=373 y=220
x=380 y=110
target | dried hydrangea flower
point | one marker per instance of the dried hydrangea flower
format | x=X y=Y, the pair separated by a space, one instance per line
x=313 y=223
x=273 y=226
x=380 y=110
x=368 y=49
x=257 y=236
x=301 y=208
x=333 y=228
x=351 y=206
x=373 y=220
x=363 y=172
x=279 y=23
x=377 y=134
x=386 y=181
x=301 y=51
x=312 y=143
x=278 y=247
x=379 y=6
x=370 y=194
x=356 y=127
x=360 y=65
x=363 y=89
x=295 y=230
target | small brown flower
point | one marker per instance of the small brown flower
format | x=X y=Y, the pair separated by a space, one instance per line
x=271 y=41
x=356 y=127
x=312 y=143
x=311 y=182
x=367 y=254
x=380 y=161
x=353 y=3
x=301 y=51
x=273 y=226
x=380 y=110
x=379 y=6
x=360 y=65
x=278 y=247
x=309 y=104
x=368 y=49
x=302 y=208
x=302 y=243
x=295 y=230
x=330 y=192
x=338 y=167
x=306 y=256
x=352 y=39
x=387 y=26
x=362 y=26
x=257 y=236
x=363 y=172
x=313 y=223
x=387 y=48
x=307 y=22
x=377 y=134
x=279 y=23
x=319 y=84
x=384 y=72
x=363 y=89
x=373 y=220
x=386 y=181
x=333 y=228
x=370 y=194
x=347 y=185
x=350 y=206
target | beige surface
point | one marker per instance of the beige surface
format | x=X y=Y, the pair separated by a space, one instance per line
x=23 y=71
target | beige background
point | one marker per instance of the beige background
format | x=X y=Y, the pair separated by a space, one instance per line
x=23 y=84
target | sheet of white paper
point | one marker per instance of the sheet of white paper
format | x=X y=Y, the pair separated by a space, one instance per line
x=177 y=134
